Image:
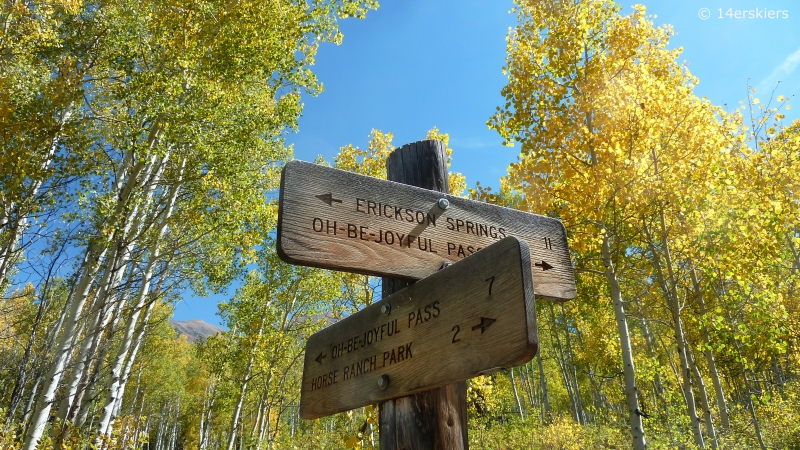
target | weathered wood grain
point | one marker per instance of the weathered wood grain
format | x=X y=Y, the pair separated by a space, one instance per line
x=340 y=220
x=435 y=419
x=475 y=316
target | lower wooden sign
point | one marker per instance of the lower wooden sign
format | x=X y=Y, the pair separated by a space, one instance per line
x=476 y=316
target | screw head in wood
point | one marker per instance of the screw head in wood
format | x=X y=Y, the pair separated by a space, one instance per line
x=383 y=381
x=386 y=309
x=443 y=203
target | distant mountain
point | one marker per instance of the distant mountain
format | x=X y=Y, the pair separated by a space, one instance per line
x=195 y=329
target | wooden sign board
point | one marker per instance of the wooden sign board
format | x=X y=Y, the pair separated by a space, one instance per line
x=473 y=317
x=340 y=220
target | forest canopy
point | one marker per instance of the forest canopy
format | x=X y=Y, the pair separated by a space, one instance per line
x=141 y=144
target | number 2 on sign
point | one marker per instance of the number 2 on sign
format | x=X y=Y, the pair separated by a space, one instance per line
x=456 y=329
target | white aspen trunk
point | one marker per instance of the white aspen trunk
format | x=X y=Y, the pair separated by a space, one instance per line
x=78 y=332
x=147 y=428
x=651 y=345
x=722 y=403
x=293 y=425
x=22 y=375
x=204 y=413
x=29 y=407
x=174 y=435
x=94 y=254
x=201 y=433
x=63 y=352
x=670 y=292
x=568 y=385
x=127 y=341
x=668 y=285
x=529 y=385
x=104 y=347
x=51 y=342
x=536 y=393
x=76 y=364
x=145 y=319
x=138 y=386
x=174 y=432
x=599 y=399
x=574 y=376
x=238 y=409
x=131 y=358
x=112 y=275
x=631 y=391
x=704 y=403
x=688 y=391
x=748 y=390
x=53 y=334
x=7 y=252
x=562 y=363
x=83 y=357
x=516 y=395
x=161 y=425
x=371 y=433
x=109 y=311
x=257 y=422
x=205 y=431
x=136 y=418
x=78 y=371
x=267 y=410
x=263 y=425
x=543 y=383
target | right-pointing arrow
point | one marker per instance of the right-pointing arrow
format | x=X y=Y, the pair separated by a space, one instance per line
x=544 y=266
x=485 y=323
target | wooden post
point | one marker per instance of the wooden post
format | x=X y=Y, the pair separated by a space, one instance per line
x=435 y=419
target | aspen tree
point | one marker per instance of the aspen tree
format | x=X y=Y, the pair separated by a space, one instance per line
x=158 y=100
x=562 y=58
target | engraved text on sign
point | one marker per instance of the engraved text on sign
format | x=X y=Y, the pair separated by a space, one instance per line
x=340 y=220
x=475 y=316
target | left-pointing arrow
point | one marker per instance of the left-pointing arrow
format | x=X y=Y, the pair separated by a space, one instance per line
x=328 y=198
x=320 y=358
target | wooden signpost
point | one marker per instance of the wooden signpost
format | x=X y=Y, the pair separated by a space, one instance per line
x=340 y=220
x=475 y=316
x=413 y=349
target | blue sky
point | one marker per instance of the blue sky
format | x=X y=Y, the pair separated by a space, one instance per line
x=412 y=65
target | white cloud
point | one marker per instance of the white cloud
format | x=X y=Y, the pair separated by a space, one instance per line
x=780 y=73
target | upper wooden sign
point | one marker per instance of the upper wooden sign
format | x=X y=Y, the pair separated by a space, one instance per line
x=335 y=219
x=476 y=316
